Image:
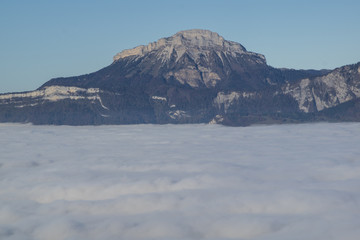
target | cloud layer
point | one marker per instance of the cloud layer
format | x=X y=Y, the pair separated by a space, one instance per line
x=180 y=182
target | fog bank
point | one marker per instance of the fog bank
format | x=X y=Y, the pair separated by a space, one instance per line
x=180 y=182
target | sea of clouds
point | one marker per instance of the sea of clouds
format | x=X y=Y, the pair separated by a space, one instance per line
x=180 y=182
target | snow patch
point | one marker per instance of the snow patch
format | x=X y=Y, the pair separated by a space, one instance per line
x=53 y=94
x=178 y=114
x=217 y=119
x=159 y=98
x=101 y=103
x=27 y=105
x=33 y=94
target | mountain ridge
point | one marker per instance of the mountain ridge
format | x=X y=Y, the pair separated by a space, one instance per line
x=194 y=76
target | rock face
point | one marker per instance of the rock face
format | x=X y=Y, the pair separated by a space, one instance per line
x=337 y=87
x=194 y=76
x=198 y=58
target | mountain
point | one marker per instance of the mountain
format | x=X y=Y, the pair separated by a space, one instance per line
x=194 y=76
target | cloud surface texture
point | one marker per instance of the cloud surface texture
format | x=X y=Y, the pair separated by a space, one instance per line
x=180 y=182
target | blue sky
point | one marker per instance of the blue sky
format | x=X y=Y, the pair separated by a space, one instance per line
x=41 y=40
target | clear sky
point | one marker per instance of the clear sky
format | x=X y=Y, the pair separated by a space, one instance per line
x=40 y=40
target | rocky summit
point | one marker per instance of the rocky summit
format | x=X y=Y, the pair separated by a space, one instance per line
x=194 y=76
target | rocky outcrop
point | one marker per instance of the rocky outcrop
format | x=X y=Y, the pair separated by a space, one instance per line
x=193 y=42
x=52 y=94
x=337 y=87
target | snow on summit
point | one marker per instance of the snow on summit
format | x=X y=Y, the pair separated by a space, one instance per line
x=193 y=41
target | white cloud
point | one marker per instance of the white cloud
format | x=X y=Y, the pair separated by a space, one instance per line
x=180 y=182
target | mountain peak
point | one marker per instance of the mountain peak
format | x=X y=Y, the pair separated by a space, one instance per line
x=198 y=58
x=189 y=40
x=199 y=37
x=198 y=32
